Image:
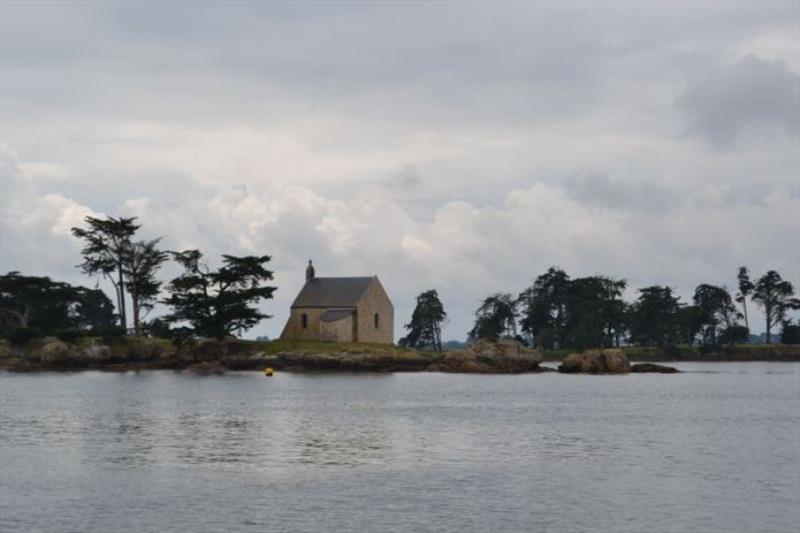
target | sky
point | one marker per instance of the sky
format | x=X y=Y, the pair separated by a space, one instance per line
x=463 y=147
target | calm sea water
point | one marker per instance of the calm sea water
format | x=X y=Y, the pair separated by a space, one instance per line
x=716 y=449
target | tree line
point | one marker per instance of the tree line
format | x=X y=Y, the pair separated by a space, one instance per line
x=557 y=311
x=203 y=302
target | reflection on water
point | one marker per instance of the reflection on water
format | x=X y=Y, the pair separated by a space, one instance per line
x=158 y=451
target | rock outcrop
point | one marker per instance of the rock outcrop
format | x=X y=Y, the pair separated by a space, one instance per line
x=610 y=361
x=54 y=352
x=484 y=356
x=652 y=367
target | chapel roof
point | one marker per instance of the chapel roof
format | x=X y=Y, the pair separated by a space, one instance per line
x=332 y=292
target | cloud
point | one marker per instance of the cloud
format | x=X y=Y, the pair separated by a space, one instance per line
x=601 y=191
x=752 y=96
x=35 y=227
x=464 y=153
x=465 y=250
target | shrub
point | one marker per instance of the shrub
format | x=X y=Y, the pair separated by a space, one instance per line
x=70 y=335
x=734 y=335
x=790 y=333
x=671 y=351
x=157 y=328
x=108 y=331
x=22 y=335
x=108 y=334
x=706 y=349
x=182 y=337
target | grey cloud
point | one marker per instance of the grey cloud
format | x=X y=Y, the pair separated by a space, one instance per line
x=424 y=142
x=406 y=178
x=522 y=64
x=600 y=190
x=753 y=92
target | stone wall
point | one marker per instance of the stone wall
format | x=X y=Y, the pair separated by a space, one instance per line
x=294 y=326
x=375 y=301
x=341 y=330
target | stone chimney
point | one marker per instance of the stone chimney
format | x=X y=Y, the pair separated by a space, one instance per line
x=309 y=271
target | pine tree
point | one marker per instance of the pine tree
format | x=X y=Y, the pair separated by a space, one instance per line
x=425 y=328
x=219 y=302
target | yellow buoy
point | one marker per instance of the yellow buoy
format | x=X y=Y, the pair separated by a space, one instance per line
x=268 y=372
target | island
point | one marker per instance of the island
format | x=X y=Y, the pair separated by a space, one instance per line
x=229 y=354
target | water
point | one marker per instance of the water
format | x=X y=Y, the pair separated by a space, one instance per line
x=717 y=449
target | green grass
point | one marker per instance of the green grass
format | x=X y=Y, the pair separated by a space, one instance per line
x=277 y=346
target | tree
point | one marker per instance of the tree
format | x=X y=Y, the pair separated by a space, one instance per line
x=219 y=302
x=790 y=333
x=614 y=309
x=158 y=327
x=425 y=328
x=34 y=302
x=594 y=312
x=92 y=309
x=717 y=309
x=141 y=261
x=745 y=288
x=495 y=317
x=737 y=334
x=48 y=306
x=688 y=323
x=654 y=317
x=544 y=307
x=774 y=295
x=572 y=313
x=106 y=245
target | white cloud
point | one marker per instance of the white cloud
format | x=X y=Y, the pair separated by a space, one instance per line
x=35 y=227
x=466 y=155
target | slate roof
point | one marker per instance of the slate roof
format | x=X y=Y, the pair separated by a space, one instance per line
x=332 y=292
x=335 y=314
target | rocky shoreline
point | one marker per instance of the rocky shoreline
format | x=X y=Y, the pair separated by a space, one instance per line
x=217 y=356
x=211 y=356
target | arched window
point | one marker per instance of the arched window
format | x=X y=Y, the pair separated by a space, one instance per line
x=377 y=321
x=305 y=320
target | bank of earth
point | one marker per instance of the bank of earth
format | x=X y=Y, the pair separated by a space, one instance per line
x=216 y=356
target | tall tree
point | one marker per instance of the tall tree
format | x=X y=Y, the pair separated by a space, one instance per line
x=745 y=288
x=219 y=302
x=106 y=246
x=140 y=263
x=774 y=294
x=495 y=317
x=557 y=311
x=688 y=323
x=614 y=309
x=543 y=308
x=584 y=323
x=594 y=312
x=425 y=328
x=654 y=317
x=718 y=314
